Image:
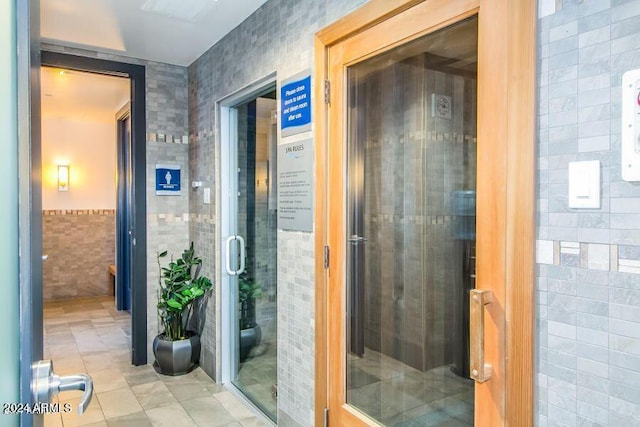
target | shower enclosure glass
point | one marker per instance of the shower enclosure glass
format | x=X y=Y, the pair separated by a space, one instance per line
x=411 y=229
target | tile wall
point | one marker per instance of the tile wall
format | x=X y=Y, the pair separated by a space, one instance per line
x=80 y=246
x=588 y=274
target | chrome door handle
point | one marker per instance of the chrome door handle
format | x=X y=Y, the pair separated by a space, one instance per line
x=356 y=239
x=230 y=272
x=240 y=270
x=45 y=257
x=242 y=255
x=45 y=384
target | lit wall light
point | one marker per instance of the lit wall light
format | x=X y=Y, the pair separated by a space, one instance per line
x=63 y=177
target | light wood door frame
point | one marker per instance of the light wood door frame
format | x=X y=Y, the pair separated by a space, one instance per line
x=505 y=189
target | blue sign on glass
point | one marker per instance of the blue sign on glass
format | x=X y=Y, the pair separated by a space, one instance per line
x=167 y=180
x=295 y=105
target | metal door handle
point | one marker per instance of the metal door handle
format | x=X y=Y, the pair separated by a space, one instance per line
x=239 y=271
x=480 y=371
x=230 y=272
x=356 y=239
x=45 y=384
x=45 y=257
x=242 y=255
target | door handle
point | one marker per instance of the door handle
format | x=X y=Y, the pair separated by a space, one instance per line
x=230 y=272
x=240 y=270
x=480 y=371
x=355 y=239
x=45 y=384
x=242 y=255
x=45 y=257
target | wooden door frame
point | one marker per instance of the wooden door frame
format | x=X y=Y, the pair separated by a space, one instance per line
x=506 y=192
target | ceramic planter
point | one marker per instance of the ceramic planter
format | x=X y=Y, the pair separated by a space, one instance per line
x=176 y=357
x=249 y=338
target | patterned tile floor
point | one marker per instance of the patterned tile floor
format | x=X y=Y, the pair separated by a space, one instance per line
x=89 y=335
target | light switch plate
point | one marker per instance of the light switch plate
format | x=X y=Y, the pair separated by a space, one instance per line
x=207 y=196
x=584 y=185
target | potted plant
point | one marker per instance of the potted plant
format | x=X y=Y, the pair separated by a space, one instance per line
x=177 y=350
x=250 y=333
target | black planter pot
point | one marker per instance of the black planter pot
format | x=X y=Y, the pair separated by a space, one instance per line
x=176 y=357
x=249 y=338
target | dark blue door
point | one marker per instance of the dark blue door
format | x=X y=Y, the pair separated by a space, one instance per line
x=124 y=228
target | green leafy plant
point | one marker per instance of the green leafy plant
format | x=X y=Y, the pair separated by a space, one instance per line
x=180 y=287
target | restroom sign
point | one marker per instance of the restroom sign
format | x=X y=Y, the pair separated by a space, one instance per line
x=167 y=180
x=295 y=104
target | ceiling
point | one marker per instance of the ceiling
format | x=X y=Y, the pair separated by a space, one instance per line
x=171 y=31
x=82 y=96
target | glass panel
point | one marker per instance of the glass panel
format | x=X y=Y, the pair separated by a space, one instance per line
x=411 y=230
x=256 y=224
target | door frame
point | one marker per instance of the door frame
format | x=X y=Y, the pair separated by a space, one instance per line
x=506 y=193
x=27 y=52
x=123 y=275
x=138 y=262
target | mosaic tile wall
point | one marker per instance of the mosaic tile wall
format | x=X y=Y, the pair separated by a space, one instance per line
x=588 y=280
x=80 y=245
x=278 y=37
x=167 y=142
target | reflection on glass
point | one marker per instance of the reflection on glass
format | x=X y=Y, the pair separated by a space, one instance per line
x=256 y=223
x=411 y=230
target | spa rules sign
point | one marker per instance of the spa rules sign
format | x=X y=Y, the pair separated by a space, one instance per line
x=295 y=186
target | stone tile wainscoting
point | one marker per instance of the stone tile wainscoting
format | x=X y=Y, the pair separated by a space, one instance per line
x=80 y=245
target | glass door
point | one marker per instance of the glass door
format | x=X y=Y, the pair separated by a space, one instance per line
x=251 y=247
x=411 y=181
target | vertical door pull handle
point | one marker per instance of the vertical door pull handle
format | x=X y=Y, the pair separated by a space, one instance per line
x=480 y=371
x=242 y=255
x=230 y=271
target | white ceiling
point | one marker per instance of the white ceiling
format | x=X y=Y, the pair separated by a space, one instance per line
x=82 y=96
x=171 y=31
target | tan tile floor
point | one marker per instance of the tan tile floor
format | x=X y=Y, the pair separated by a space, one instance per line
x=89 y=335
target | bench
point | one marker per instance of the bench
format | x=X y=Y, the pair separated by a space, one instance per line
x=112 y=277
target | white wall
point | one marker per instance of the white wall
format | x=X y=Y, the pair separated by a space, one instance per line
x=89 y=147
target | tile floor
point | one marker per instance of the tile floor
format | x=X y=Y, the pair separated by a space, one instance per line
x=258 y=374
x=398 y=395
x=89 y=335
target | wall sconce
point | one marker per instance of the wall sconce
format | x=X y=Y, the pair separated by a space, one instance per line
x=63 y=177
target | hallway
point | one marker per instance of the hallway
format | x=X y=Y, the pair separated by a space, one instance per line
x=90 y=335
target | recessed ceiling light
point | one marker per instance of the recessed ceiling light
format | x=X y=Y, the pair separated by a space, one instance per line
x=187 y=11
